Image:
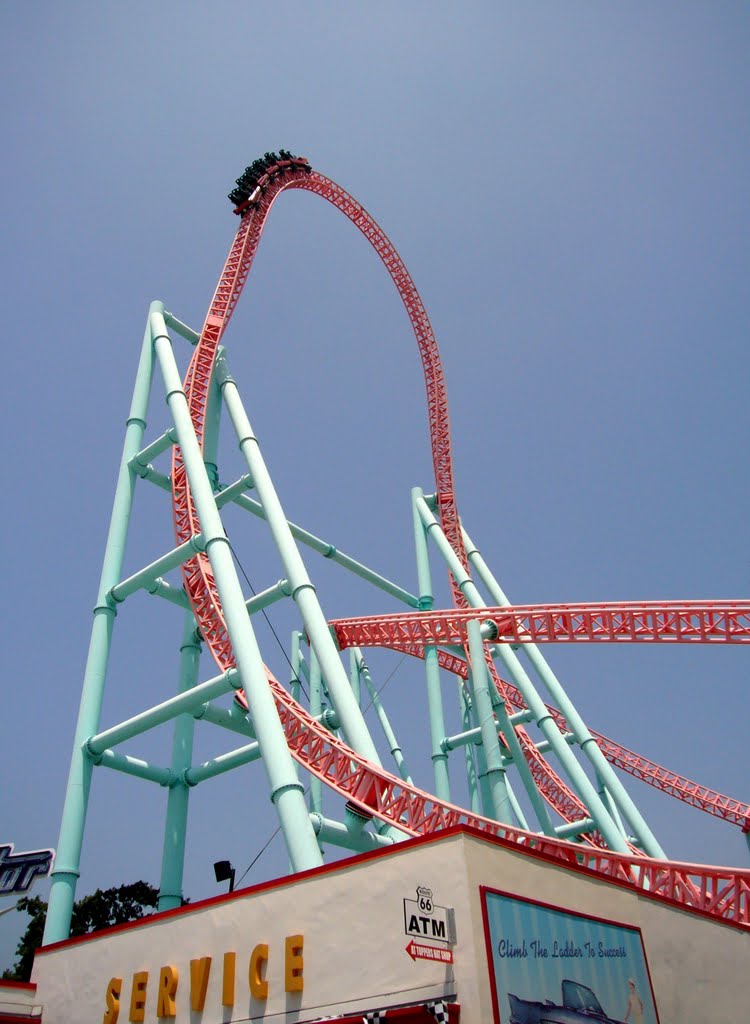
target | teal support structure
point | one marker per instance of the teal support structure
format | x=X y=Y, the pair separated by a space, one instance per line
x=164 y=712
x=385 y=725
x=142 y=459
x=606 y=796
x=167 y=592
x=484 y=796
x=221 y=764
x=303 y=591
x=182 y=329
x=470 y=764
x=145 y=578
x=294 y=682
x=67 y=863
x=135 y=766
x=347 y=836
x=316 y=709
x=585 y=740
x=544 y=720
x=286 y=790
x=432 y=670
x=354 y=679
x=267 y=597
x=496 y=781
x=232 y=719
x=175 y=824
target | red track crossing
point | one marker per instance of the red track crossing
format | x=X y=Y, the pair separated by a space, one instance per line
x=662 y=622
x=719 y=892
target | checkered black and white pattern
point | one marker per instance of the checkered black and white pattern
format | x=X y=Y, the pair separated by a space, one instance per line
x=438 y=1010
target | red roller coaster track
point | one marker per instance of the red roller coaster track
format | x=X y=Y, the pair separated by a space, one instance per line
x=719 y=892
x=664 y=622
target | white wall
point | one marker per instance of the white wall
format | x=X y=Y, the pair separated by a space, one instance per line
x=351 y=918
x=700 y=969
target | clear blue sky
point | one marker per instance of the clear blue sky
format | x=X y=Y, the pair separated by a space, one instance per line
x=567 y=184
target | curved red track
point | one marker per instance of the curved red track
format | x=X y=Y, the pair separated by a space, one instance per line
x=719 y=892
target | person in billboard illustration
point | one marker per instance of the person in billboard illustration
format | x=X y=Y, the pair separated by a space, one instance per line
x=635 y=1005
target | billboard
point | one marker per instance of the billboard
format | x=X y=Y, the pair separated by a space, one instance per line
x=555 y=966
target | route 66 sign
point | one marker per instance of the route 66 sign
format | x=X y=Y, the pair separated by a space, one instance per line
x=424 y=899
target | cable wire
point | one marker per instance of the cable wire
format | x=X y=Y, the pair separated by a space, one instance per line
x=295 y=677
x=263 y=849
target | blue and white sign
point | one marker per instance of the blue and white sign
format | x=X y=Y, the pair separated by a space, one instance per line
x=19 y=871
x=553 y=965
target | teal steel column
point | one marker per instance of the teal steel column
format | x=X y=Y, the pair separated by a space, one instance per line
x=67 y=863
x=432 y=670
x=586 y=741
x=316 y=710
x=502 y=810
x=385 y=725
x=294 y=682
x=303 y=591
x=175 y=824
x=519 y=760
x=354 y=676
x=483 y=784
x=517 y=809
x=544 y=720
x=286 y=791
x=469 y=751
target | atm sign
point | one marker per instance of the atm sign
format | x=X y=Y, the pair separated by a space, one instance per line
x=426 y=924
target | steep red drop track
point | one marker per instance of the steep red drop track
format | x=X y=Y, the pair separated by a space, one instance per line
x=719 y=892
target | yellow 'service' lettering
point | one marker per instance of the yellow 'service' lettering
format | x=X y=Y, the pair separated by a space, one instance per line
x=165 y=1005
x=199 y=972
x=114 y=990
x=293 y=963
x=138 y=997
x=258 y=961
x=227 y=984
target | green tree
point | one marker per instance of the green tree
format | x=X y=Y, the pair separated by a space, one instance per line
x=101 y=909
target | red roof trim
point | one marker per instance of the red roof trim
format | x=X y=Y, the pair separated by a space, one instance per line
x=29 y=986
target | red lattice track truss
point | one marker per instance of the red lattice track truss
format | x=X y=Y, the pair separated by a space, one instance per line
x=719 y=892
x=648 y=622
